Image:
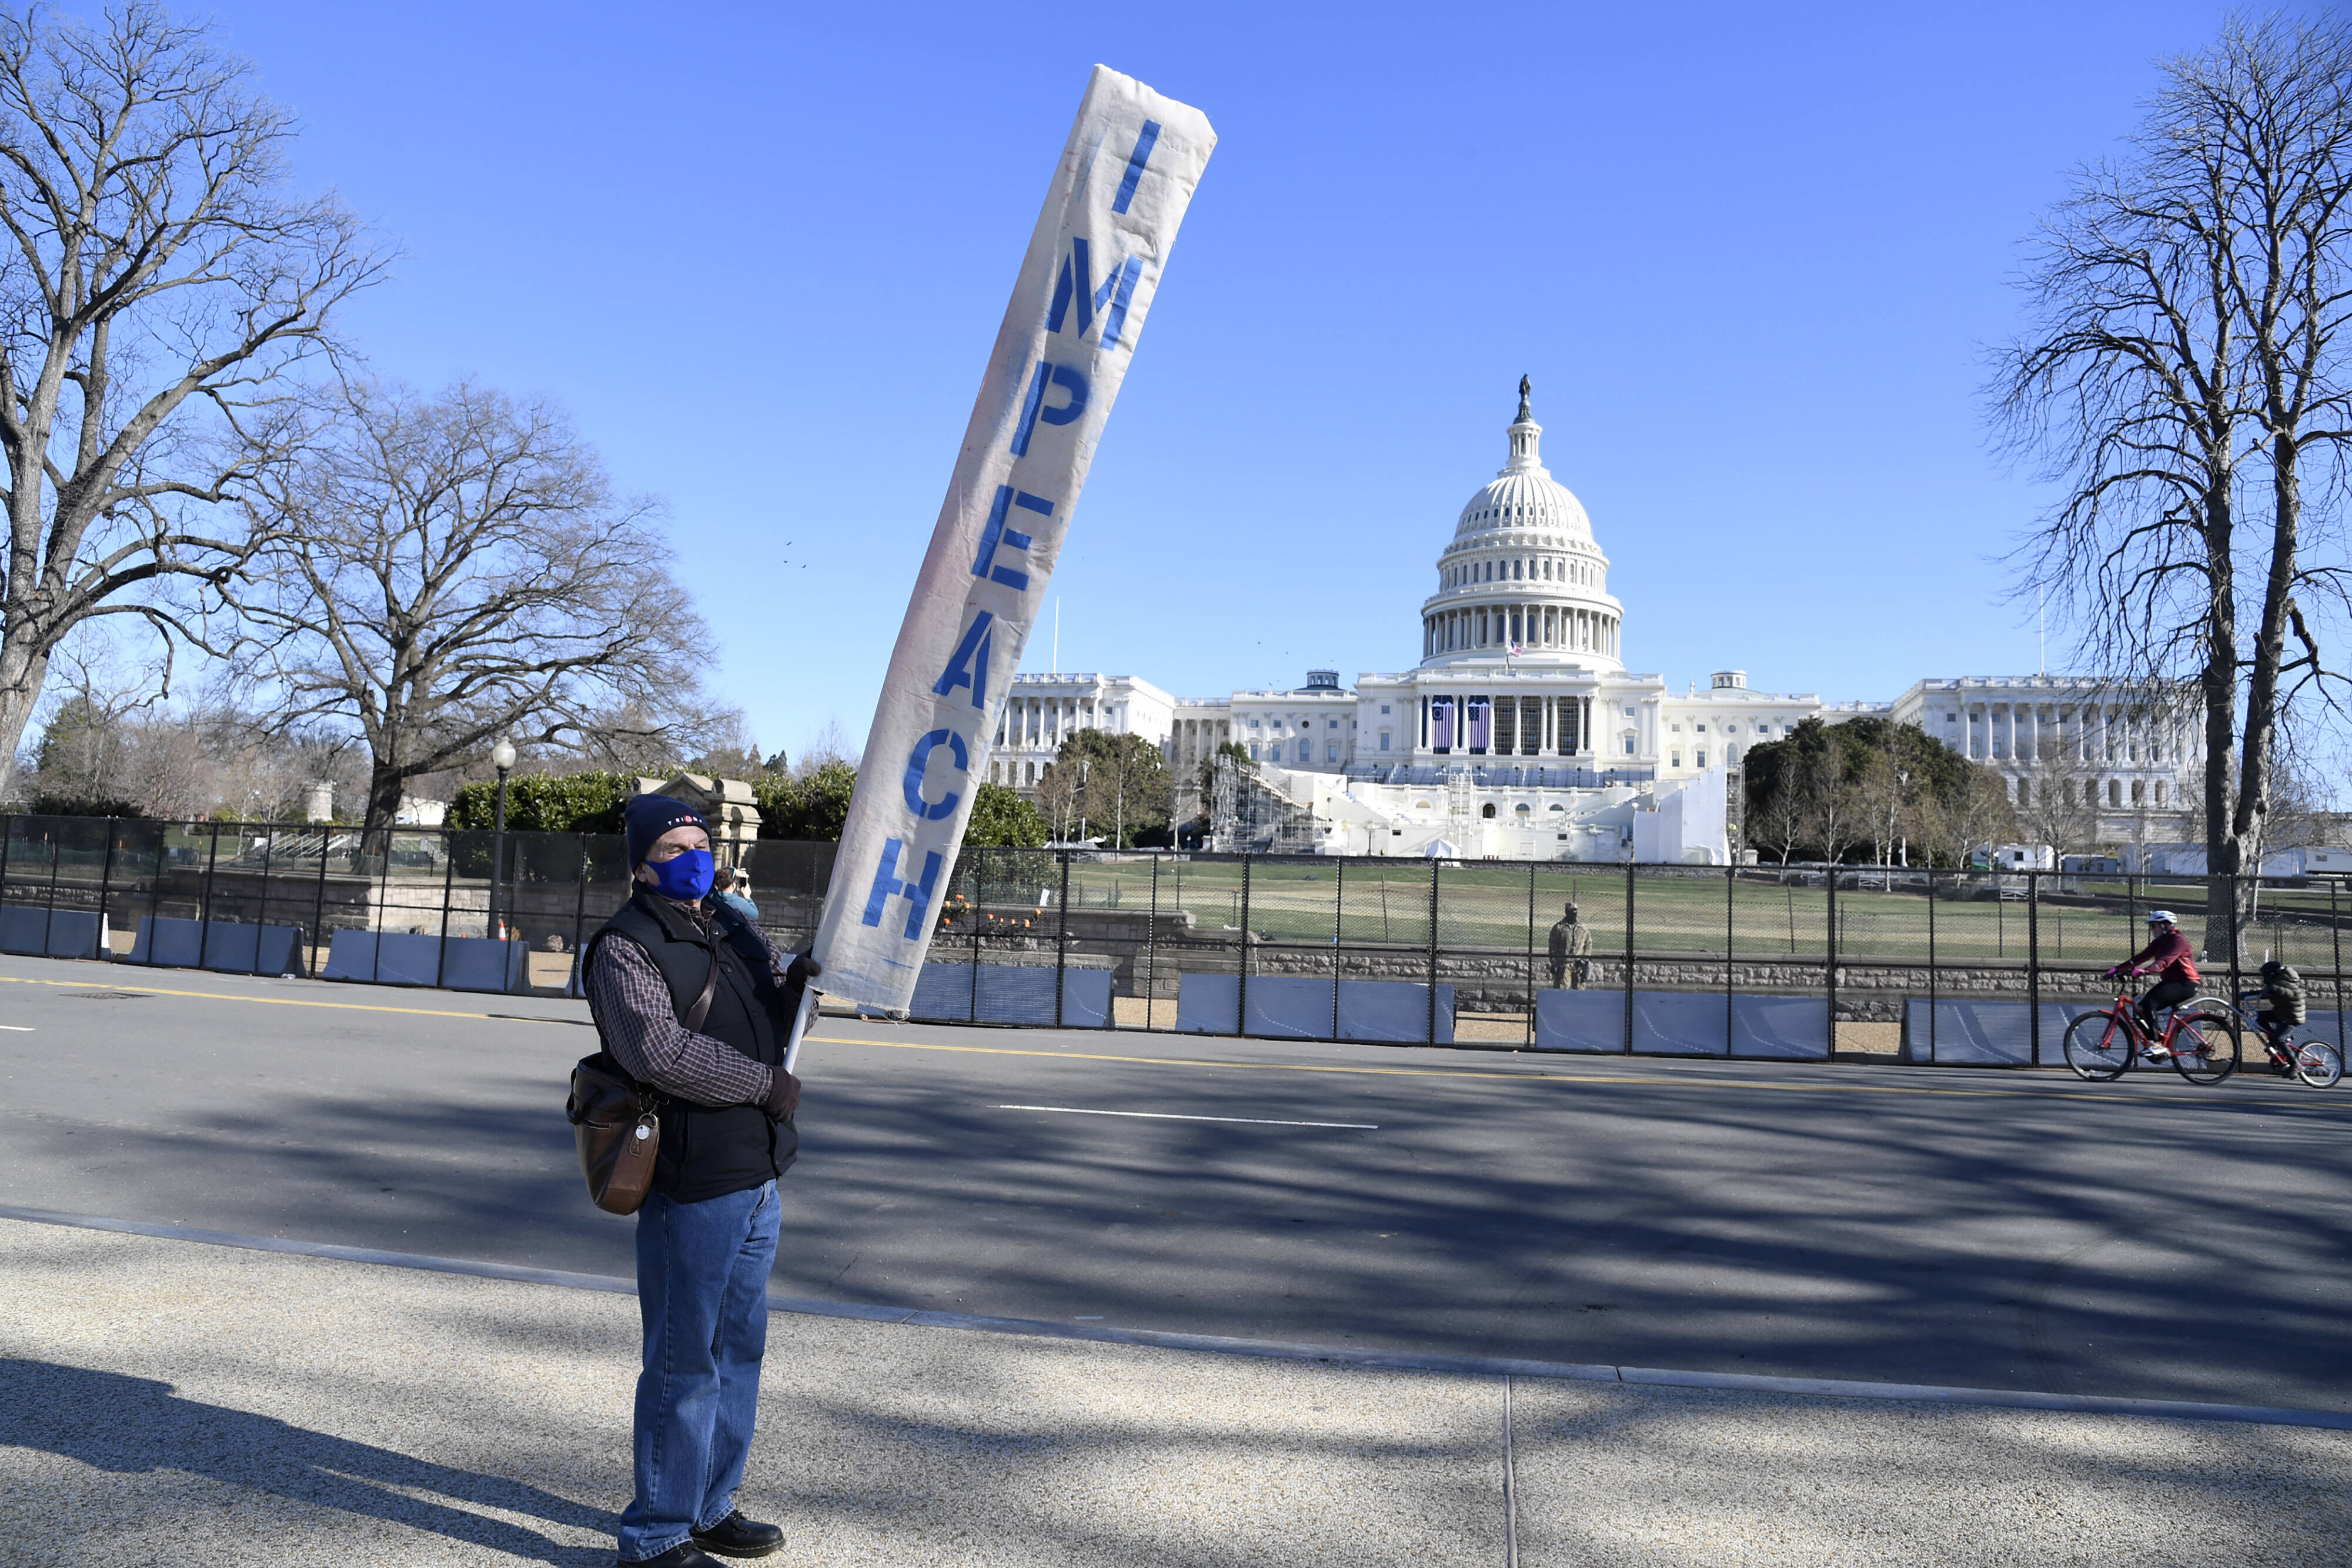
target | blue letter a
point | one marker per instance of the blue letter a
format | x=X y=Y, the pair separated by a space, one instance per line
x=968 y=665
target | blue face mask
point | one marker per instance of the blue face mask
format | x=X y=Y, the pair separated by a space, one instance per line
x=685 y=876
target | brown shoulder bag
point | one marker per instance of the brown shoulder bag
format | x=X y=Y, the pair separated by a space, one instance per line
x=617 y=1120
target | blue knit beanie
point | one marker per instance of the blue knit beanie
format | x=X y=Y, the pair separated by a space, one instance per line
x=646 y=818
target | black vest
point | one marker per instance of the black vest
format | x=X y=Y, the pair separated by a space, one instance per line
x=710 y=1151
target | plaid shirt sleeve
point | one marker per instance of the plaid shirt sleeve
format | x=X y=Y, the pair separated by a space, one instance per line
x=638 y=1019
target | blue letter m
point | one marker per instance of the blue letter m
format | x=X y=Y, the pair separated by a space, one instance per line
x=1075 y=285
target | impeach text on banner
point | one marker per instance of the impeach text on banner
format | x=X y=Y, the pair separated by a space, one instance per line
x=1085 y=287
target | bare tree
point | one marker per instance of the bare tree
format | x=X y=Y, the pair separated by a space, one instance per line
x=1781 y=822
x=79 y=757
x=2184 y=380
x=153 y=286
x=1973 y=812
x=1840 y=815
x=111 y=744
x=2057 y=801
x=831 y=743
x=1883 y=802
x=2299 y=817
x=445 y=570
x=1117 y=782
x=648 y=738
x=1060 y=795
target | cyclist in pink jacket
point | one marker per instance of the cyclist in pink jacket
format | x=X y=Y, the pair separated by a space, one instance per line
x=2168 y=954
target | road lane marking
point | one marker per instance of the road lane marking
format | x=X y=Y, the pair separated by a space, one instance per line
x=1173 y=1116
x=2073 y=1096
x=287 y=1001
x=18 y=1028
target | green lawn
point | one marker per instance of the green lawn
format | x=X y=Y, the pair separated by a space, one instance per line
x=1488 y=906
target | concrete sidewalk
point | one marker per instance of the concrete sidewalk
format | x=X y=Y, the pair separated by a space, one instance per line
x=164 y=1402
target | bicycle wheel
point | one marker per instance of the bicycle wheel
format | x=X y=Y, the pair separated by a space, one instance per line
x=2318 y=1063
x=2205 y=1048
x=2098 y=1047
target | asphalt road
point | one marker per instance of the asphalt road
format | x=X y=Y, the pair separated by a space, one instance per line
x=1914 y=1225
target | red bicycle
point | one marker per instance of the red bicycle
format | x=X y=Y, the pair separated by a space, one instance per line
x=2202 y=1043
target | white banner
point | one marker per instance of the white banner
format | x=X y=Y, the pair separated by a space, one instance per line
x=1085 y=285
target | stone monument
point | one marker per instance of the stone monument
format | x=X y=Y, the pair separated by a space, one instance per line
x=725 y=803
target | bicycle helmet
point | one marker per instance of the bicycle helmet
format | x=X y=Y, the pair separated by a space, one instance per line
x=2162 y=917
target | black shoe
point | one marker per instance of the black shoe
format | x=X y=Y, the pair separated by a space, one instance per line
x=736 y=1536
x=685 y=1554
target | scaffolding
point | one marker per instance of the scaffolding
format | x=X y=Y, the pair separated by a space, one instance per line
x=1250 y=816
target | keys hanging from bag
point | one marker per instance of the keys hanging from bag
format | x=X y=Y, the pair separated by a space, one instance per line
x=616 y=1122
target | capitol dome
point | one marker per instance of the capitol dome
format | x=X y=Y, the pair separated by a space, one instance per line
x=1522 y=577
x=1524 y=497
x=1527 y=499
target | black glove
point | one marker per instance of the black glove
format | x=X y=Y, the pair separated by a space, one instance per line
x=784 y=1096
x=797 y=975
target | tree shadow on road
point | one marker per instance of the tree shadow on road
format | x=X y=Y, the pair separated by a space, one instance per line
x=132 y=1426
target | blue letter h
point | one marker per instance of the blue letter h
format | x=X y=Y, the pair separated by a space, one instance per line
x=889 y=885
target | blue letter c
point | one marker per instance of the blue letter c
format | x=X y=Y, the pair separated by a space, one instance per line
x=944 y=808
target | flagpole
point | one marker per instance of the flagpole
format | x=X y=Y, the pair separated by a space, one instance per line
x=800 y=1029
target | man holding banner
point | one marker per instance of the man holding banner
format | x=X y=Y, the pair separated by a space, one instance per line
x=693 y=1002
x=1092 y=270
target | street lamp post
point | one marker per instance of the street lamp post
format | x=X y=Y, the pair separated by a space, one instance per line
x=1894 y=805
x=1903 y=779
x=502 y=757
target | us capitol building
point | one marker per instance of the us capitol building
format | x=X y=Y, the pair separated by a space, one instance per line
x=1521 y=735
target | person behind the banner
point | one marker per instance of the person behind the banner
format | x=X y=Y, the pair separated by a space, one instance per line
x=736 y=893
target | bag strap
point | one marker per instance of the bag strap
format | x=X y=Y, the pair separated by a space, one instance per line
x=701 y=1007
x=694 y=1016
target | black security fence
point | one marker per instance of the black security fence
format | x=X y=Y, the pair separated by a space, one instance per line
x=431 y=907
x=1947 y=967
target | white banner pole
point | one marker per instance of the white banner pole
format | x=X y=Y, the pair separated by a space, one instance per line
x=1092 y=270
x=801 y=1019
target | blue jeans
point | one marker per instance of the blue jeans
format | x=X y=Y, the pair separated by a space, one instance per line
x=702 y=1292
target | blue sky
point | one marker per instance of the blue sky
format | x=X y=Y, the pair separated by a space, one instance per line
x=1752 y=256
